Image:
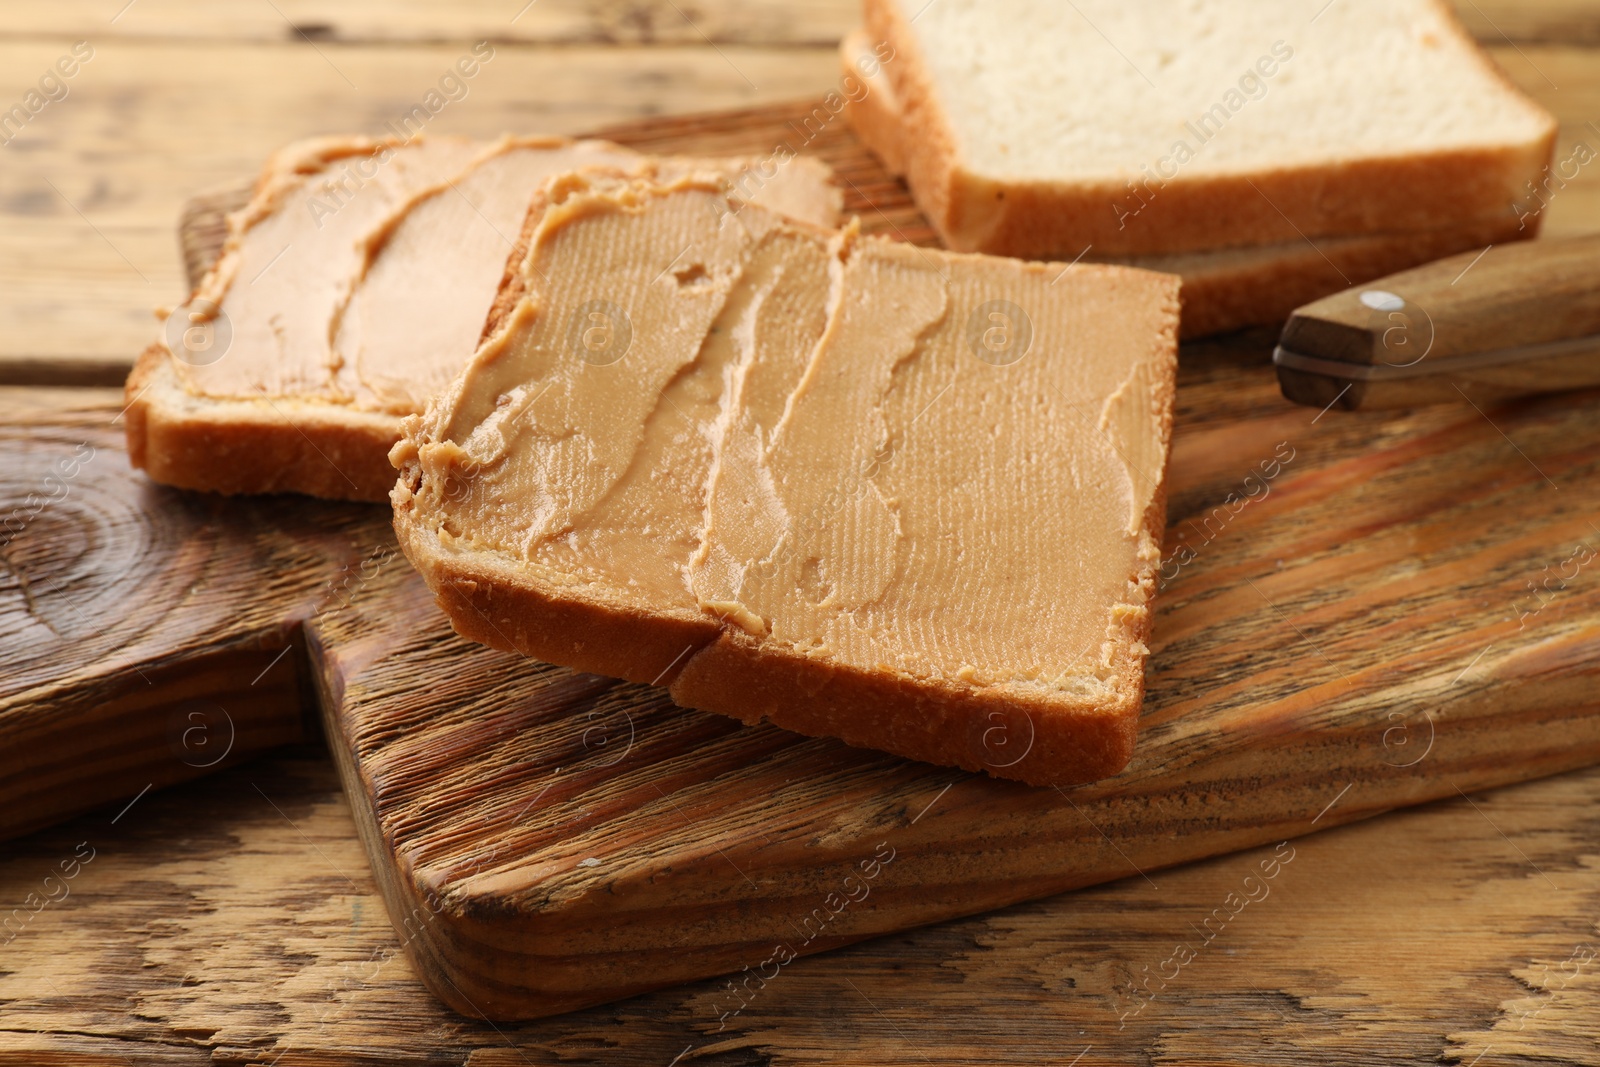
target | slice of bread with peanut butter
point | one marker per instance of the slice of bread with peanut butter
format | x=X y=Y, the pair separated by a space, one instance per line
x=351 y=288
x=1223 y=289
x=907 y=498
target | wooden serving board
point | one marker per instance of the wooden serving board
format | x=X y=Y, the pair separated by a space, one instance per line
x=149 y=635
x=1346 y=629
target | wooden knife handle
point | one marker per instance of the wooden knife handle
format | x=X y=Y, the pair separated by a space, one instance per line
x=1502 y=321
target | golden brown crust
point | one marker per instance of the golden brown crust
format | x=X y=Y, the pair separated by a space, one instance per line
x=927 y=171
x=1037 y=219
x=135 y=414
x=977 y=729
x=252 y=446
x=505 y=607
x=1264 y=292
x=1421 y=192
x=512 y=286
x=332 y=460
x=875 y=116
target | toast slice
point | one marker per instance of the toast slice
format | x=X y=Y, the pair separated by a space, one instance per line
x=352 y=287
x=1225 y=289
x=1146 y=127
x=907 y=498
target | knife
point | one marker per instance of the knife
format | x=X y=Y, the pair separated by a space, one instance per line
x=1505 y=321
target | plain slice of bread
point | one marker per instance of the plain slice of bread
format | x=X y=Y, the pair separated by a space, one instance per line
x=1223 y=290
x=352 y=287
x=1032 y=127
x=907 y=498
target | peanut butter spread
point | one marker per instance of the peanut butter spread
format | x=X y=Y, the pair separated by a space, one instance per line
x=889 y=458
x=361 y=272
x=292 y=255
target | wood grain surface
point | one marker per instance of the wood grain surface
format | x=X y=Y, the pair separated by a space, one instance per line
x=149 y=634
x=819 y=23
x=625 y=22
x=234 y=921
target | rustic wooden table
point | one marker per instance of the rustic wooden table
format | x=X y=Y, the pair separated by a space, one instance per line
x=235 y=920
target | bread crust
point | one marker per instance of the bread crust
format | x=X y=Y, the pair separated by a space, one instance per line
x=253 y=446
x=1266 y=291
x=876 y=115
x=1066 y=742
x=1031 y=219
x=500 y=605
x=512 y=287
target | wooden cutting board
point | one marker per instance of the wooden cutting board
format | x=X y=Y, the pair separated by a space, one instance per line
x=149 y=635
x=1347 y=627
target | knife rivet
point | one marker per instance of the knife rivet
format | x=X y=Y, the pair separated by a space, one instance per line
x=1382 y=300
